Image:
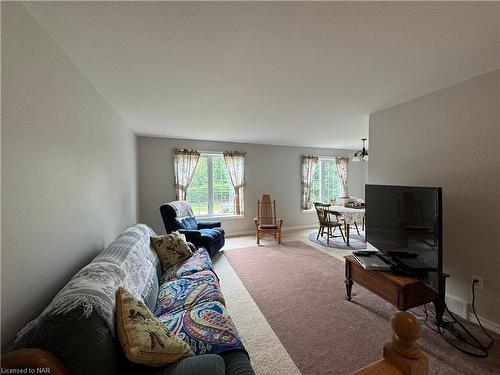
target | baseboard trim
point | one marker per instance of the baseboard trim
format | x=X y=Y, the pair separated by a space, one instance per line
x=285 y=229
x=464 y=310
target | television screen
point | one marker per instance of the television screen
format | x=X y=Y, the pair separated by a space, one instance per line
x=404 y=223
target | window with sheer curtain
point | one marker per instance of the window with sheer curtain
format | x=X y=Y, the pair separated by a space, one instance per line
x=325 y=183
x=211 y=192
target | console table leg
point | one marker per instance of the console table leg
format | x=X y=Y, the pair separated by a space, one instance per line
x=348 y=287
x=348 y=281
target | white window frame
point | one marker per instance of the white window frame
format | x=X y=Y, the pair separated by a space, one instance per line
x=210 y=187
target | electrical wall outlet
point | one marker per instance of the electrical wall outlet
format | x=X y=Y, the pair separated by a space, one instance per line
x=479 y=284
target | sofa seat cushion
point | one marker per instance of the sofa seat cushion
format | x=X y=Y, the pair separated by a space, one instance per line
x=200 y=261
x=184 y=292
x=208 y=364
x=209 y=235
x=236 y=362
x=207 y=327
x=209 y=224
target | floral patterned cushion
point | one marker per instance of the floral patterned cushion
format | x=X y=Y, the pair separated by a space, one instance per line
x=206 y=327
x=171 y=249
x=180 y=294
x=144 y=338
x=200 y=261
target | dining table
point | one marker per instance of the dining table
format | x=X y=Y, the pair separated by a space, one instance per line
x=350 y=216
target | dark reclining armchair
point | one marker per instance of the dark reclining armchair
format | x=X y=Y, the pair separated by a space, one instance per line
x=178 y=216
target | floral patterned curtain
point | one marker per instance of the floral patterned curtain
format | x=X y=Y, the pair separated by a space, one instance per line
x=185 y=162
x=309 y=163
x=235 y=163
x=342 y=164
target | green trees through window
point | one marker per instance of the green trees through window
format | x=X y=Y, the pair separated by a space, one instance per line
x=223 y=191
x=325 y=184
x=197 y=193
x=211 y=191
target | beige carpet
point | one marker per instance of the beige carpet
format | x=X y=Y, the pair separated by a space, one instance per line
x=267 y=354
x=300 y=292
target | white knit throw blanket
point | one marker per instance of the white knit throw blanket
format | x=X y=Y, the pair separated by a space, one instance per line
x=127 y=262
x=182 y=209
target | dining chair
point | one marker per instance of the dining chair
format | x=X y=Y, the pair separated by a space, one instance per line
x=325 y=221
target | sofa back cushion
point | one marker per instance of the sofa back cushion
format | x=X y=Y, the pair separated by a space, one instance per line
x=182 y=208
x=151 y=297
x=186 y=223
x=178 y=225
x=178 y=215
x=189 y=223
x=85 y=345
x=77 y=331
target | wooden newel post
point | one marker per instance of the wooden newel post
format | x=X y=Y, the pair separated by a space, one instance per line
x=402 y=355
x=403 y=351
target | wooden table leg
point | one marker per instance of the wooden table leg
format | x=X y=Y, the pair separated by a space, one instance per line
x=347 y=232
x=348 y=281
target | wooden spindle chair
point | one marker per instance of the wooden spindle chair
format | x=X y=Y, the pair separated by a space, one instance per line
x=266 y=221
x=325 y=221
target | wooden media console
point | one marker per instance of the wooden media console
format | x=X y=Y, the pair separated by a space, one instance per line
x=404 y=292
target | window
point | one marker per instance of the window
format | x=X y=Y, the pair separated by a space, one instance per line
x=197 y=193
x=325 y=184
x=211 y=192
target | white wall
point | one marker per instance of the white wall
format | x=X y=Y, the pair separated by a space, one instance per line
x=450 y=138
x=269 y=169
x=68 y=170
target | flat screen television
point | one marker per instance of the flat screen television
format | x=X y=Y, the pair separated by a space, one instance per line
x=405 y=224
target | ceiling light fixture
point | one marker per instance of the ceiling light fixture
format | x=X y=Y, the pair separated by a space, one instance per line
x=361 y=155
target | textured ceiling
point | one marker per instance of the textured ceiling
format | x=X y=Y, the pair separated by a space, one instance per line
x=293 y=73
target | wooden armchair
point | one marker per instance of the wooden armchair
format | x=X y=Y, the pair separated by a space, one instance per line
x=266 y=221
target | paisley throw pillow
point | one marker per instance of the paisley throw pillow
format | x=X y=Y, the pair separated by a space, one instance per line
x=143 y=337
x=171 y=249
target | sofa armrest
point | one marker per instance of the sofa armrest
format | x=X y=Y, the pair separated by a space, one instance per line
x=192 y=236
x=237 y=362
x=33 y=358
x=205 y=364
x=208 y=224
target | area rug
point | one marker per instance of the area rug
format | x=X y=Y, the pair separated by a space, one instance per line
x=356 y=241
x=301 y=293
